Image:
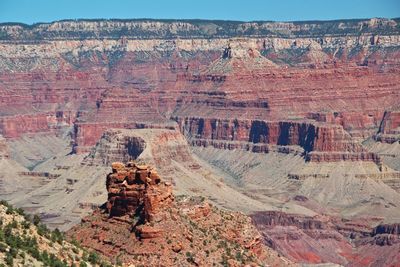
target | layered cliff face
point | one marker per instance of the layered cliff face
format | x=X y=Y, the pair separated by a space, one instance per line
x=349 y=243
x=318 y=141
x=297 y=117
x=148 y=29
x=136 y=190
x=132 y=80
x=389 y=130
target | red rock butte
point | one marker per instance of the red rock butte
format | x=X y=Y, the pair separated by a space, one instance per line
x=136 y=190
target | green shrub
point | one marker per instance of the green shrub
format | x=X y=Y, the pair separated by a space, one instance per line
x=9 y=259
x=20 y=211
x=2 y=237
x=42 y=230
x=26 y=224
x=9 y=210
x=45 y=256
x=57 y=236
x=85 y=256
x=189 y=257
x=118 y=261
x=36 y=219
x=93 y=258
x=13 y=252
x=239 y=256
x=34 y=252
x=14 y=224
x=105 y=264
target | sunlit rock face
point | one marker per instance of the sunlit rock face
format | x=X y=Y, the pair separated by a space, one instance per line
x=96 y=75
x=136 y=190
x=295 y=124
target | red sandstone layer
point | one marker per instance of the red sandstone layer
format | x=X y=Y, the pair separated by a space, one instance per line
x=322 y=239
x=123 y=83
x=389 y=130
x=320 y=141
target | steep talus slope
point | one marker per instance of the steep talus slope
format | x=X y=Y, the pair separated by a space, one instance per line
x=351 y=200
x=57 y=186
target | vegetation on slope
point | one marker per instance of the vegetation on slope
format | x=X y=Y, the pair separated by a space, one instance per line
x=25 y=241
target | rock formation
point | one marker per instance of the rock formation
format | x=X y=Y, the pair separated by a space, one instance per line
x=4 y=151
x=135 y=74
x=321 y=142
x=137 y=190
x=142 y=219
x=389 y=130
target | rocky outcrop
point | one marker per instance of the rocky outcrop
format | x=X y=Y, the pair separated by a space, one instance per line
x=359 y=125
x=114 y=146
x=143 y=219
x=393 y=229
x=385 y=235
x=86 y=135
x=343 y=156
x=4 y=151
x=389 y=130
x=137 y=190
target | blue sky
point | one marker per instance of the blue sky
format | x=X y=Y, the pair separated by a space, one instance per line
x=31 y=11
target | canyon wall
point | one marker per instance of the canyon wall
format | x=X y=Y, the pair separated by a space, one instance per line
x=151 y=29
x=355 y=243
x=312 y=91
x=15 y=126
x=319 y=141
x=102 y=74
x=389 y=130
